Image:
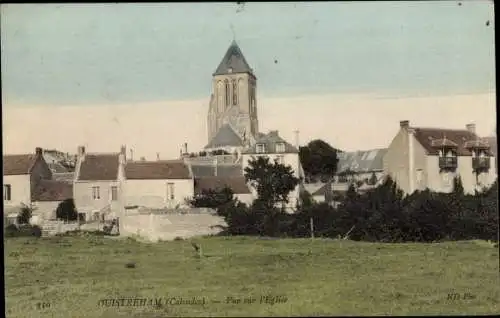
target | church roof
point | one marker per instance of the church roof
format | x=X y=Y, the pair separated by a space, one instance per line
x=226 y=136
x=233 y=62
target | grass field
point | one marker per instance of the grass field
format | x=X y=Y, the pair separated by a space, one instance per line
x=70 y=275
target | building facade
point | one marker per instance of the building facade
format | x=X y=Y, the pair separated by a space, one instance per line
x=430 y=158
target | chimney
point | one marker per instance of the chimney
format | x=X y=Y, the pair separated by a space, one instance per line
x=185 y=147
x=81 y=151
x=296 y=139
x=38 y=151
x=404 y=124
x=123 y=151
x=131 y=155
x=471 y=128
x=157 y=156
x=143 y=158
x=123 y=155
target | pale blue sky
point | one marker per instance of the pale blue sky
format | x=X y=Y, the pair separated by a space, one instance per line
x=107 y=53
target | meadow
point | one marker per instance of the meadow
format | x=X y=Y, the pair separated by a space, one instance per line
x=80 y=276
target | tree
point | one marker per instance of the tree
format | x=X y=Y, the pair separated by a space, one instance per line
x=212 y=198
x=273 y=181
x=66 y=210
x=318 y=159
x=24 y=215
x=373 y=179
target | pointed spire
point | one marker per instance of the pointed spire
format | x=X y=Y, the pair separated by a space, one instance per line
x=233 y=61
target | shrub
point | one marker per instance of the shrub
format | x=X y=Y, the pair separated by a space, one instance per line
x=24 y=216
x=66 y=210
x=24 y=230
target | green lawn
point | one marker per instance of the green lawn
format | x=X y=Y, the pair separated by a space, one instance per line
x=320 y=277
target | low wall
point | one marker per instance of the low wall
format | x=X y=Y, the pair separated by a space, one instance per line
x=167 y=224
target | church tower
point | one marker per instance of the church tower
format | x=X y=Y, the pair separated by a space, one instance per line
x=233 y=105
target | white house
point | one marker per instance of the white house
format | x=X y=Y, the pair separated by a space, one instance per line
x=21 y=174
x=158 y=184
x=97 y=183
x=274 y=147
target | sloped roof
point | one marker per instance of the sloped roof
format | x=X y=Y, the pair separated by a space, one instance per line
x=203 y=171
x=313 y=187
x=361 y=161
x=233 y=59
x=99 y=167
x=63 y=176
x=237 y=184
x=18 y=164
x=271 y=140
x=51 y=190
x=150 y=170
x=233 y=170
x=426 y=136
x=492 y=141
x=225 y=136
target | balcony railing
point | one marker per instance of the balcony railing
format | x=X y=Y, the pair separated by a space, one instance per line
x=448 y=163
x=481 y=163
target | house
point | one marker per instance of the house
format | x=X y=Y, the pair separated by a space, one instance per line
x=158 y=184
x=274 y=147
x=21 y=175
x=360 y=166
x=237 y=184
x=420 y=158
x=97 y=183
x=47 y=196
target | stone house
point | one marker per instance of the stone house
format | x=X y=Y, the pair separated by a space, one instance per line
x=420 y=158
x=158 y=184
x=47 y=196
x=97 y=183
x=21 y=174
x=274 y=147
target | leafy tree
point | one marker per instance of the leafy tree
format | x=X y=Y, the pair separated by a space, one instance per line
x=318 y=159
x=212 y=198
x=66 y=210
x=24 y=215
x=273 y=181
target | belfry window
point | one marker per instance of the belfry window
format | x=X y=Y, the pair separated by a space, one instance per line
x=235 y=93
x=227 y=93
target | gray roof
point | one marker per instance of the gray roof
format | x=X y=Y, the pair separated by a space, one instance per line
x=492 y=141
x=234 y=60
x=271 y=140
x=203 y=171
x=225 y=136
x=361 y=161
x=229 y=170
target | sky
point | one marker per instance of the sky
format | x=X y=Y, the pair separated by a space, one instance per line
x=103 y=75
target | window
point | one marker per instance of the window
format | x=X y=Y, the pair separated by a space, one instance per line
x=114 y=193
x=7 y=192
x=228 y=96
x=235 y=93
x=96 y=193
x=170 y=191
x=419 y=177
x=280 y=147
x=260 y=148
x=280 y=159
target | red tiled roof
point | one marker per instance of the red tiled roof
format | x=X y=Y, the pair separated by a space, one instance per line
x=18 y=164
x=50 y=190
x=99 y=167
x=237 y=184
x=147 y=170
x=426 y=137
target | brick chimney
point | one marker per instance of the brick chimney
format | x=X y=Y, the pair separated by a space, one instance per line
x=81 y=151
x=471 y=128
x=38 y=151
x=123 y=155
x=404 y=124
x=157 y=156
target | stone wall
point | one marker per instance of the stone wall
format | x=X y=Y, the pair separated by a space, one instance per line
x=167 y=224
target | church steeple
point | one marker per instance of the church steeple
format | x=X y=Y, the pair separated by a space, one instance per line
x=233 y=62
x=233 y=99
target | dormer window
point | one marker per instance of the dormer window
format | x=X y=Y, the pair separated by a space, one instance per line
x=260 y=148
x=280 y=147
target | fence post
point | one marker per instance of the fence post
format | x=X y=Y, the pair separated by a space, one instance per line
x=311 y=225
